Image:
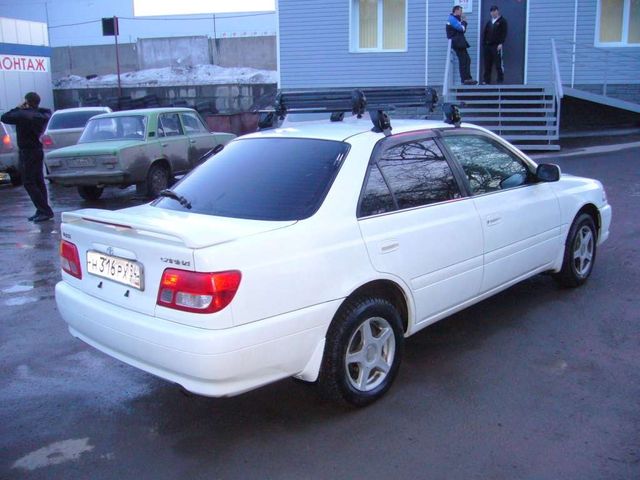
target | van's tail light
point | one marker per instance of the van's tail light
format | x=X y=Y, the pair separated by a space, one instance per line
x=197 y=292
x=47 y=142
x=7 y=146
x=70 y=259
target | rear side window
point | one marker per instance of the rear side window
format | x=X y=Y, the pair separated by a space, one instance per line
x=408 y=175
x=63 y=120
x=193 y=124
x=169 y=125
x=262 y=179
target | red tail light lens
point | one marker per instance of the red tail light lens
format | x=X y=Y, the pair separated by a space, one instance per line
x=6 y=143
x=197 y=292
x=47 y=142
x=70 y=259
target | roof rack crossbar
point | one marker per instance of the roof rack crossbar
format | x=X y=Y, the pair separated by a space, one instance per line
x=338 y=101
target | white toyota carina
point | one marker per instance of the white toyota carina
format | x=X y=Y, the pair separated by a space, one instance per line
x=315 y=249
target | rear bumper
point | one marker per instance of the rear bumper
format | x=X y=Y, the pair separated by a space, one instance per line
x=88 y=179
x=207 y=362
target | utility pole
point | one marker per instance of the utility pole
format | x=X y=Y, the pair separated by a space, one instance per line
x=116 y=31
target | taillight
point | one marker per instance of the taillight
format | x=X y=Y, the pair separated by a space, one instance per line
x=6 y=143
x=197 y=292
x=47 y=142
x=70 y=259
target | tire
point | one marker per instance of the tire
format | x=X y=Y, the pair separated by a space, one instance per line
x=90 y=192
x=365 y=335
x=158 y=179
x=579 y=252
x=16 y=179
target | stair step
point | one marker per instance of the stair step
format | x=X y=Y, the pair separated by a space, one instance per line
x=508 y=119
x=509 y=102
x=521 y=128
x=506 y=110
x=502 y=86
x=517 y=138
x=503 y=94
x=548 y=146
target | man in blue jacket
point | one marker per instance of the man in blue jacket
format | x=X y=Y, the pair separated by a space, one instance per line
x=30 y=121
x=456 y=27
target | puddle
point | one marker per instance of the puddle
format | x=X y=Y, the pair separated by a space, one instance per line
x=17 y=289
x=17 y=301
x=54 y=454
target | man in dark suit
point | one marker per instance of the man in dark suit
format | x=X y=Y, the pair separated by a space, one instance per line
x=495 y=33
x=30 y=121
x=456 y=26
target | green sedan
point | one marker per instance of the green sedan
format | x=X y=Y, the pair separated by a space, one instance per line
x=146 y=148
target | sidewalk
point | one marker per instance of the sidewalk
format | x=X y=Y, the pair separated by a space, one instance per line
x=588 y=143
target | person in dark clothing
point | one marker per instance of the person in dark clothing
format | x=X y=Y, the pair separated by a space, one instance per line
x=30 y=122
x=456 y=26
x=495 y=33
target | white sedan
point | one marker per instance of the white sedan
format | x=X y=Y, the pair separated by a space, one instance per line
x=313 y=251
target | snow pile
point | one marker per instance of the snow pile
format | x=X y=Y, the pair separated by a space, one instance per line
x=170 y=76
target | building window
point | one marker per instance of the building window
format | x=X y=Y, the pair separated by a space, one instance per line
x=618 y=23
x=378 y=25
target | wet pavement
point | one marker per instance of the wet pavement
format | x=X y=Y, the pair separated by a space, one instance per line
x=534 y=383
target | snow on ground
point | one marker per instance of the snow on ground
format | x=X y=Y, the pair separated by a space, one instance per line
x=169 y=76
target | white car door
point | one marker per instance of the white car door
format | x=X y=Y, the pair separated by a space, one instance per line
x=520 y=216
x=418 y=225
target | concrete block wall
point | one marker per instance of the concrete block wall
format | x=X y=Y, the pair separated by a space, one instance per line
x=173 y=52
x=255 y=52
x=92 y=60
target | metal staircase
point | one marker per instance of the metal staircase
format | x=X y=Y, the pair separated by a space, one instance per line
x=526 y=115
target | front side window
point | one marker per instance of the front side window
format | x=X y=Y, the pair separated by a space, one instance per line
x=487 y=166
x=114 y=128
x=279 y=179
x=379 y=25
x=193 y=124
x=408 y=175
x=618 y=23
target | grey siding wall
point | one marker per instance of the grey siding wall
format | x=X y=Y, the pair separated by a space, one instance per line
x=550 y=19
x=439 y=10
x=314 y=48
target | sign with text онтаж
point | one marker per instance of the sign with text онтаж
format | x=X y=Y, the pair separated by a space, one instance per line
x=21 y=63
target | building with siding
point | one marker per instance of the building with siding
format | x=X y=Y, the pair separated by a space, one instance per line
x=597 y=43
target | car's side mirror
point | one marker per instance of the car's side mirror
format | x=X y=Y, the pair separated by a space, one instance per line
x=548 y=172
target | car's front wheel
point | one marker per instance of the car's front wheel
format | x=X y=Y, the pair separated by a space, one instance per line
x=579 y=252
x=90 y=192
x=363 y=351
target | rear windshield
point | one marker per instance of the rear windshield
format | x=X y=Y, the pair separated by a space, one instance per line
x=276 y=179
x=71 y=119
x=114 y=128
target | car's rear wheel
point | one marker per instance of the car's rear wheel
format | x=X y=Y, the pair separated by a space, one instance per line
x=158 y=179
x=90 y=192
x=579 y=252
x=363 y=351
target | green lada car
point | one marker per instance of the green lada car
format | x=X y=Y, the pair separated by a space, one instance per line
x=146 y=148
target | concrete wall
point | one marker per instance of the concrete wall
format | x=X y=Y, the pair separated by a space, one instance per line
x=173 y=52
x=227 y=98
x=255 y=52
x=92 y=60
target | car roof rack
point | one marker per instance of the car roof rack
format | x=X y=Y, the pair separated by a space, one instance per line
x=338 y=101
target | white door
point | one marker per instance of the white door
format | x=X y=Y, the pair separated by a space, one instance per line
x=418 y=226
x=520 y=216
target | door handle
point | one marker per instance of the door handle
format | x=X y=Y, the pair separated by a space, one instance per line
x=493 y=220
x=192 y=141
x=164 y=144
x=389 y=246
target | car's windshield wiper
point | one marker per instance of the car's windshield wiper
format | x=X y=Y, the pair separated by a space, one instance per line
x=179 y=198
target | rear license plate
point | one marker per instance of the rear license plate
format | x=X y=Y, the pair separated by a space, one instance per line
x=81 y=162
x=117 y=269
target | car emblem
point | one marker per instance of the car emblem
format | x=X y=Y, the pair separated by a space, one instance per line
x=109 y=250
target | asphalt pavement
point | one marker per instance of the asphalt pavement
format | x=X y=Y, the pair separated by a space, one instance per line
x=535 y=383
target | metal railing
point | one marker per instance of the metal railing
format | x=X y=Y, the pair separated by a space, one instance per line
x=595 y=63
x=449 y=73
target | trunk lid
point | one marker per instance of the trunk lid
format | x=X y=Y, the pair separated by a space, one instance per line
x=64 y=137
x=155 y=239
